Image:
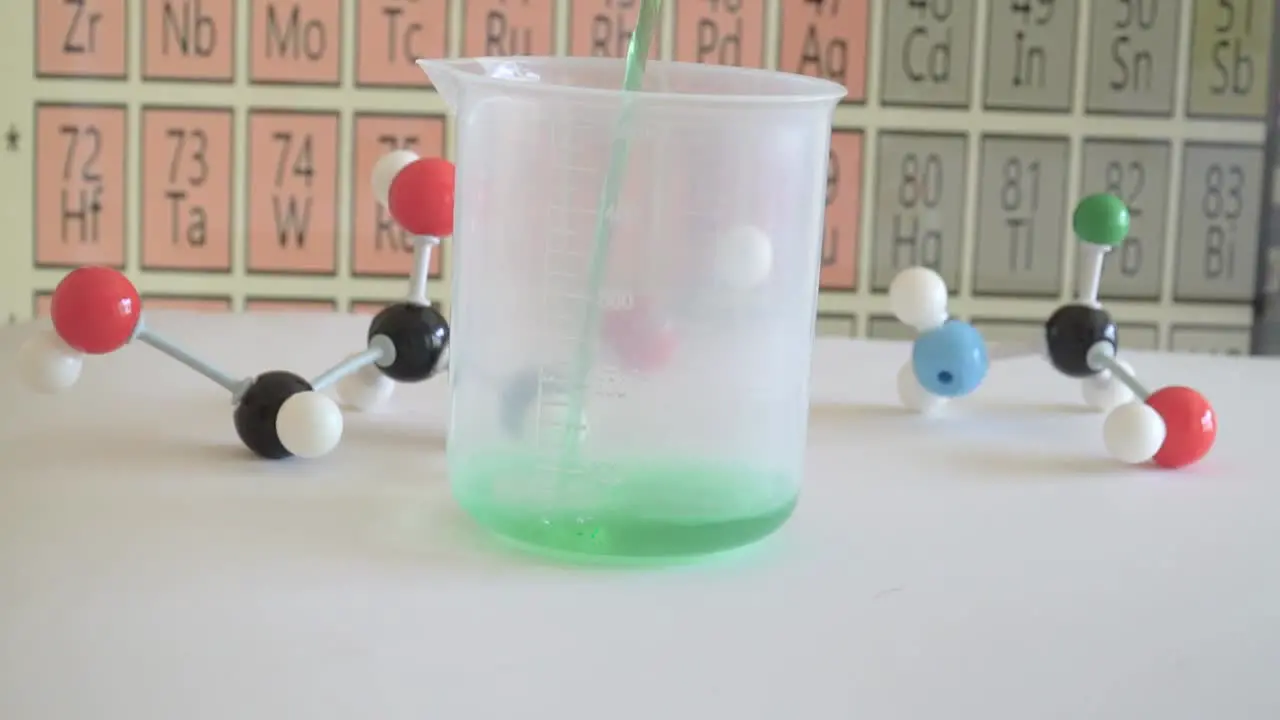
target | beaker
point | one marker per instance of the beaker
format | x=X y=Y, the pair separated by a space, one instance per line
x=697 y=318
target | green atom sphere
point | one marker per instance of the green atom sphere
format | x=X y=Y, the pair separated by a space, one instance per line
x=1101 y=219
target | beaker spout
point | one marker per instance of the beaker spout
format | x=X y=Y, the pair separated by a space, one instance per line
x=444 y=76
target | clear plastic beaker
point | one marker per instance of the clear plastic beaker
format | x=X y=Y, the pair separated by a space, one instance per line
x=698 y=327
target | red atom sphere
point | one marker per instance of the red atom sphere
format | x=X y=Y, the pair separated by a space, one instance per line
x=1190 y=423
x=421 y=197
x=95 y=310
x=641 y=343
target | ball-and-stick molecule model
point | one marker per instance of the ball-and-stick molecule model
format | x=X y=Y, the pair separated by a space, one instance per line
x=278 y=414
x=408 y=341
x=97 y=311
x=1172 y=427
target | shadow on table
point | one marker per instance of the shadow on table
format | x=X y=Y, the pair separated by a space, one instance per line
x=963 y=409
x=856 y=412
x=1009 y=464
x=372 y=432
x=972 y=440
x=102 y=449
x=1010 y=407
x=438 y=534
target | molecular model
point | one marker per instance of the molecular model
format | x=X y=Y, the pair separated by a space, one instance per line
x=1172 y=427
x=278 y=414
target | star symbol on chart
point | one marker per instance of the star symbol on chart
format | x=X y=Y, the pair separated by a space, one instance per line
x=11 y=138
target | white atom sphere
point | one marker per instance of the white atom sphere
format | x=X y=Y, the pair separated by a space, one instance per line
x=912 y=393
x=1104 y=391
x=743 y=257
x=48 y=365
x=309 y=425
x=918 y=297
x=385 y=171
x=365 y=389
x=1133 y=432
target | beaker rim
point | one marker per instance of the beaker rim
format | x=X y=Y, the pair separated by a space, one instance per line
x=782 y=87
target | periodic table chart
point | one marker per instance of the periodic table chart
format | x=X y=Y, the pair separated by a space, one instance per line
x=219 y=150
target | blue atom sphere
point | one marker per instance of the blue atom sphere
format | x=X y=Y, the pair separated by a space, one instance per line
x=950 y=361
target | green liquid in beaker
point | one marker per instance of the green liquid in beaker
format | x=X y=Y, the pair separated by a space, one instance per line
x=641 y=510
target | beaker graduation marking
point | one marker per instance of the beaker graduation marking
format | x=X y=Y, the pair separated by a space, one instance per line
x=633 y=79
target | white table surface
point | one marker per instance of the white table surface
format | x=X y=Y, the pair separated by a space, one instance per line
x=991 y=565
